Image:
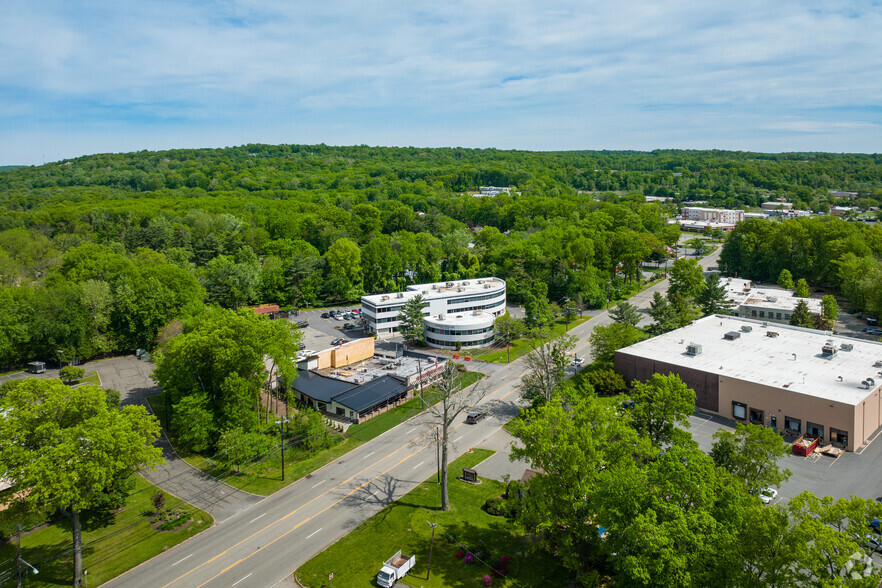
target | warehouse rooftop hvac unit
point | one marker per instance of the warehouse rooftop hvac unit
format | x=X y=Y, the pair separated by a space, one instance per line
x=746 y=328
x=846 y=346
x=732 y=335
x=693 y=349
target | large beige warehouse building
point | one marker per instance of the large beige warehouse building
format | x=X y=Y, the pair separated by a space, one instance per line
x=799 y=380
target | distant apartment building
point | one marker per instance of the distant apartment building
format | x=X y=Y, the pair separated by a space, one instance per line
x=840 y=210
x=714 y=215
x=491 y=191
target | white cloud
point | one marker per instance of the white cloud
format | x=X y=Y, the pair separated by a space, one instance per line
x=641 y=70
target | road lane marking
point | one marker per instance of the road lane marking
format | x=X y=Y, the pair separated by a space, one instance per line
x=320 y=483
x=417 y=465
x=242 y=580
x=342 y=483
x=298 y=525
x=255 y=518
x=368 y=455
x=308 y=537
x=180 y=560
x=411 y=431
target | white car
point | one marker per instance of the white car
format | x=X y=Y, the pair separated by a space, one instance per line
x=768 y=495
x=578 y=361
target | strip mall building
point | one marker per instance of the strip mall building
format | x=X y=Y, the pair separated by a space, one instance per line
x=792 y=379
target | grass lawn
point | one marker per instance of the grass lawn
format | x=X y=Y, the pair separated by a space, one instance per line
x=127 y=540
x=264 y=477
x=523 y=347
x=90 y=378
x=356 y=558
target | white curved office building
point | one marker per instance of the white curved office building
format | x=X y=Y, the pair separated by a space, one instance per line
x=470 y=329
x=380 y=312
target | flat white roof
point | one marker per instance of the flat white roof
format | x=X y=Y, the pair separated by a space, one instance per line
x=744 y=292
x=793 y=360
x=438 y=290
x=462 y=319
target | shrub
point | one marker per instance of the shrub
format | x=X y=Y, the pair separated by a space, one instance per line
x=460 y=555
x=158 y=500
x=606 y=382
x=469 y=558
x=70 y=374
x=488 y=581
x=494 y=506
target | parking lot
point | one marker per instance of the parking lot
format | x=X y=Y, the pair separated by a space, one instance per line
x=320 y=332
x=853 y=473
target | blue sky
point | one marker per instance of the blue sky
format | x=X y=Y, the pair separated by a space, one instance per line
x=124 y=75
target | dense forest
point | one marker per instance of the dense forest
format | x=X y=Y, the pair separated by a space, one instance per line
x=99 y=253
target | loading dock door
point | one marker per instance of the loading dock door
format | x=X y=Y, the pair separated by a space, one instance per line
x=757 y=416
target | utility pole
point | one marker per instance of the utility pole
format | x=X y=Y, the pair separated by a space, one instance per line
x=437 y=455
x=18 y=554
x=420 y=367
x=431 y=544
x=281 y=423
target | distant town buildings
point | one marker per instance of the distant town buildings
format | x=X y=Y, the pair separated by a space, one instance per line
x=715 y=215
x=774 y=205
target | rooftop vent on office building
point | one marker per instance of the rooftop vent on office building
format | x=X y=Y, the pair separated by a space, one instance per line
x=746 y=328
x=829 y=348
x=693 y=349
x=771 y=333
x=731 y=335
x=846 y=346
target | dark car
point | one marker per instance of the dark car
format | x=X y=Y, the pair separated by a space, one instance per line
x=474 y=416
x=326 y=315
x=303 y=324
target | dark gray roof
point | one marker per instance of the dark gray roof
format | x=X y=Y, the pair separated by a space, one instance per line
x=319 y=387
x=371 y=393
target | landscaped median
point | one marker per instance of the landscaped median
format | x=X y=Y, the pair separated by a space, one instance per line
x=263 y=476
x=522 y=347
x=469 y=544
x=113 y=542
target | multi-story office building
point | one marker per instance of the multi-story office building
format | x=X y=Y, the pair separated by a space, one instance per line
x=455 y=311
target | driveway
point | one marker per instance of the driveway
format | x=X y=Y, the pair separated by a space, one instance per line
x=132 y=378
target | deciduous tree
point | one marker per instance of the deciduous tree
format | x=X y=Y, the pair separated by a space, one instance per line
x=547 y=369
x=751 y=454
x=64 y=448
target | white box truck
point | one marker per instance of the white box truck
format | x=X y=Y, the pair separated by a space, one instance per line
x=395 y=568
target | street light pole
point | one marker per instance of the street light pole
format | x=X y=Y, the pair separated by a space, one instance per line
x=437 y=455
x=431 y=544
x=281 y=422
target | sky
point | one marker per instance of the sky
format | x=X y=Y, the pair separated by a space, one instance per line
x=78 y=78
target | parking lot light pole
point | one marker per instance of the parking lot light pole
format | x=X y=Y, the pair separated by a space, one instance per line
x=431 y=544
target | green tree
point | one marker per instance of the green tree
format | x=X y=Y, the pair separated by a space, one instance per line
x=785 y=279
x=67 y=448
x=536 y=308
x=751 y=454
x=345 y=281
x=507 y=329
x=572 y=442
x=238 y=447
x=829 y=312
x=194 y=423
x=661 y=406
x=413 y=322
x=713 y=299
x=606 y=382
x=801 y=317
x=687 y=279
x=607 y=339
x=70 y=374
x=546 y=369
x=697 y=245
x=802 y=289
x=663 y=314
x=626 y=313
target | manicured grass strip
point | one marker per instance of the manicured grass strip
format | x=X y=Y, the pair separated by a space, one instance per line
x=356 y=558
x=523 y=347
x=108 y=549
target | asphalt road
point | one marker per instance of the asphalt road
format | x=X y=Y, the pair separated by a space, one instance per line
x=265 y=542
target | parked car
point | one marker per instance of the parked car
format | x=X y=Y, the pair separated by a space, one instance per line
x=873 y=542
x=339 y=341
x=356 y=311
x=303 y=324
x=873 y=331
x=768 y=495
x=326 y=315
